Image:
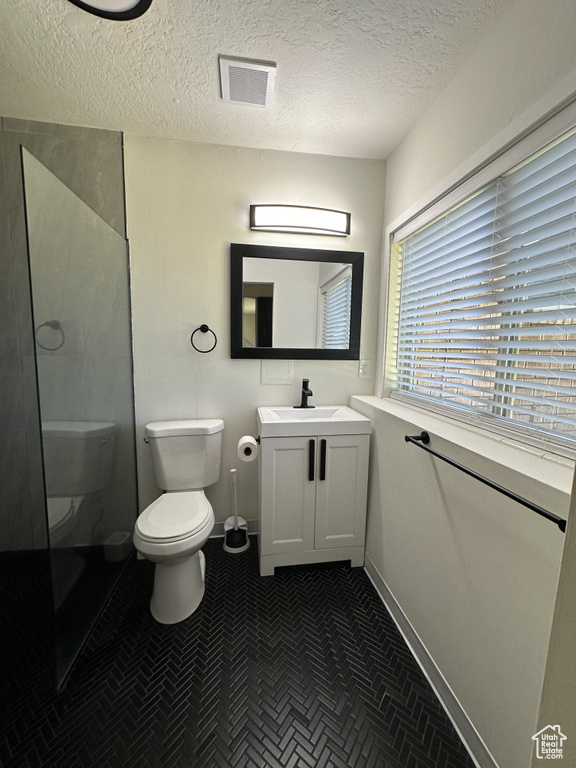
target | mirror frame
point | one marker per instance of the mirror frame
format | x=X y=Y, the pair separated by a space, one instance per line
x=238 y=252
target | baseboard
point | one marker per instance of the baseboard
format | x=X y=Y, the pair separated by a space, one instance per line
x=479 y=752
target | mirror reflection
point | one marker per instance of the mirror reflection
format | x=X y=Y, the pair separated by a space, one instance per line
x=293 y=302
x=302 y=304
x=257 y=314
x=79 y=281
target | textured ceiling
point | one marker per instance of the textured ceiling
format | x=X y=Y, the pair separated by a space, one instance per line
x=352 y=75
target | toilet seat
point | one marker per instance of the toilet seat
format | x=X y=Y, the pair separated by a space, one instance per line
x=174 y=516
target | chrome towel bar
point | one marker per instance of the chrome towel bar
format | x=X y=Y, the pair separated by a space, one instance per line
x=422 y=441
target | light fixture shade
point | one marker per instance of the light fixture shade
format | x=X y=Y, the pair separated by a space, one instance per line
x=299 y=219
x=115 y=10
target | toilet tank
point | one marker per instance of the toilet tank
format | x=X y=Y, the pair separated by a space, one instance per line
x=78 y=456
x=185 y=454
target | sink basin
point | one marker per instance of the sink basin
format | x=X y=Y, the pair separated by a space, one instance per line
x=301 y=414
x=285 y=421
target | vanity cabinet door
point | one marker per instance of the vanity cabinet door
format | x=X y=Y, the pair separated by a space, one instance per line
x=341 y=491
x=288 y=492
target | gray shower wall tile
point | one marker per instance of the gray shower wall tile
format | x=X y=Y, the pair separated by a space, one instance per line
x=23 y=511
x=78 y=157
x=4 y=221
x=91 y=167
x=8 y=324
x=38 y=530
x=93 y=170
x=20 y=530
x=17 y=253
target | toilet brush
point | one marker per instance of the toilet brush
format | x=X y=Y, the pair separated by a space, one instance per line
x=235 y=528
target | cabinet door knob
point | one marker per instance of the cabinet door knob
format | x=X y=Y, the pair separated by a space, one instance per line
x=311 y=459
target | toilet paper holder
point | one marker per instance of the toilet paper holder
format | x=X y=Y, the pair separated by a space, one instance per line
x=248 y=448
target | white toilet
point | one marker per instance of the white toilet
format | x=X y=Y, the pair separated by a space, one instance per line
x=174 y=528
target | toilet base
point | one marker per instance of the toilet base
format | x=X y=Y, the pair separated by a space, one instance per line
x=178 y=589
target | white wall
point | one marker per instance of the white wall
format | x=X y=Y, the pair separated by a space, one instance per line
x=475 y=575
x=474 y=572
x=558 y=702
x=528 y=55
x=295 y=304
x=185 y=204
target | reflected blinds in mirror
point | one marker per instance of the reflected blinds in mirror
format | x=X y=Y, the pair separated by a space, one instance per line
x=336 y=301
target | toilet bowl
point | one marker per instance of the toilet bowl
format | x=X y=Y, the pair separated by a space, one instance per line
x=172 y=530
x=170 y=533
x=72 y=520
x=62 y=516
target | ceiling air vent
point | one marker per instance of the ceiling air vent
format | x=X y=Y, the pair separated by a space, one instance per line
x=247 y=81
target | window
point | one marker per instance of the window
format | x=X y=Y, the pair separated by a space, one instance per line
x=336 y=297
x=483 y=300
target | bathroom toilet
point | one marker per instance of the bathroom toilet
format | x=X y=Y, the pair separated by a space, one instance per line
x=174 y=528
x=78 y=464
x=78 y=460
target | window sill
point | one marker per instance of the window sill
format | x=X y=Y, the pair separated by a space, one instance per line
x=535 y=462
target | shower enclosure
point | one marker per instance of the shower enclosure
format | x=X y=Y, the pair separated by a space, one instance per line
x=68 y=501
x=79 y=286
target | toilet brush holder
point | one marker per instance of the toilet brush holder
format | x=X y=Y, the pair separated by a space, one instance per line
x=235 y=528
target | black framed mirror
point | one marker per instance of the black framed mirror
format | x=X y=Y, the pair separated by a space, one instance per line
x=295 y=303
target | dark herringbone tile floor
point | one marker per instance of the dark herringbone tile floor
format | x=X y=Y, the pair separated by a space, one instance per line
x=301 y=670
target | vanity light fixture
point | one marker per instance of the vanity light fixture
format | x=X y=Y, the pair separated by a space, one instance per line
x=115 y=10
x=299 y=219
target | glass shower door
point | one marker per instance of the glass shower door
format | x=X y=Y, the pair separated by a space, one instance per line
x=80 y=296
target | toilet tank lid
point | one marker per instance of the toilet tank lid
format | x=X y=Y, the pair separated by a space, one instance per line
x=79 y=430
x=188 y=427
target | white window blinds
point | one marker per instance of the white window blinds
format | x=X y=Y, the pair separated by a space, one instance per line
x=336 y=304
x=485 y=301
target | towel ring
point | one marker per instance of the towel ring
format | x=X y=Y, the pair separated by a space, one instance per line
x=57 y=327
x=204 y=329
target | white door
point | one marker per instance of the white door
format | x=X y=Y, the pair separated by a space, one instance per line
x=288 y=472
x=341 y=491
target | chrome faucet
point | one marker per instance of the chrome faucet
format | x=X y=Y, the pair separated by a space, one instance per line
x=306 y=393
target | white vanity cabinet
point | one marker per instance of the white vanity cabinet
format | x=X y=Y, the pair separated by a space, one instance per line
x=313 y=490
